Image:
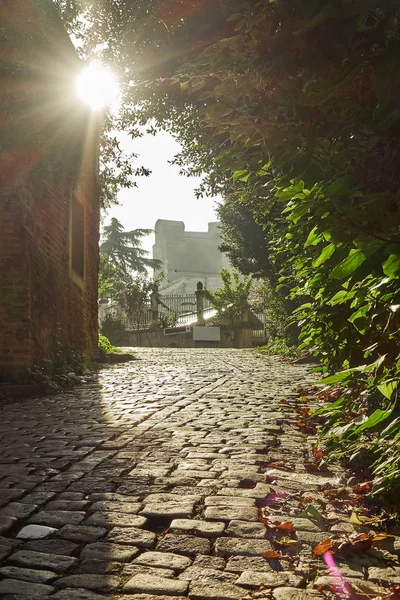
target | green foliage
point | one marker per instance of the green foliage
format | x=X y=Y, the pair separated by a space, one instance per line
x=276 y=347
x=291 y=110
x=113 y=328
x=123 y=249
x=230 y=300
x=106 y=347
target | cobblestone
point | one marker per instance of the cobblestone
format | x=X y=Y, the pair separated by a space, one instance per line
x=145 y=483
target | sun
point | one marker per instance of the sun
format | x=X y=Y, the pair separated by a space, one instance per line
x=97 y=86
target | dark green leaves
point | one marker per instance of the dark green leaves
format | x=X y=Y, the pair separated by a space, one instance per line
x=355 y=258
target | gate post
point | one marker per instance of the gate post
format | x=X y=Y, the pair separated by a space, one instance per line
x=154 y=296
x=200 y=303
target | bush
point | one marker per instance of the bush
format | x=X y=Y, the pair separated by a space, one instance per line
x=276 y=347
x=113 y=329
x=106 y=347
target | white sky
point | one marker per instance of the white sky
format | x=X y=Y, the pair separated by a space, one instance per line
x=163 y=195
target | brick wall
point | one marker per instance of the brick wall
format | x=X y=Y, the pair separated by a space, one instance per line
x=48 y=154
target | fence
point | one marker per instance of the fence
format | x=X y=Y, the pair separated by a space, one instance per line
x=180 y=310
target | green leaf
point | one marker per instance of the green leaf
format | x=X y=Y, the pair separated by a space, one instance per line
x=313 y=238
x=339 y=377
x=340 y=297
x=355 y=258
x=325 y=254
x=388 y=387
x=184 y=85
x=391 y=266
x=239 y=174
x=377 y=417
x=340 y=187
x=358 y=318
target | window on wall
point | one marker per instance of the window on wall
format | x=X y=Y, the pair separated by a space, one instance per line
x=77 y=237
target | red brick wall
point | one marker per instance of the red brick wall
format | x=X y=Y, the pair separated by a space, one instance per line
x=48 y=149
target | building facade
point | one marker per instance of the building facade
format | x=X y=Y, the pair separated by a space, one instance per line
x=49 y=209
x=188 y=257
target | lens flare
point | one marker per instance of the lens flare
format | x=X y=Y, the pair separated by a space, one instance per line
x=97 y=86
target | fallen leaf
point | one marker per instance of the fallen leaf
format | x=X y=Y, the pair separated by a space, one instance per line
x=317 y=453
x=362 y=488
x=286 y=526
x=380 y=537
x=272 y=554
x=360 y=544
x=362 y=520
x=285 y=542
x=322 y=547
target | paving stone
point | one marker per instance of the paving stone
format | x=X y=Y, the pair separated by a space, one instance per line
x=202 y=528
x=76 y=594
x=18 y=510
x=311 y=537
x=229 y=501
x=119 y=507
x=112 y=497
x=132 y=536
x=109 y=551
x=135 y=569
x=42 y=560
x=57 y=518
x=299 y=523
x=7 y=495
x=96 y=582
x=229 y=513
x=209 y=590
x=51 y=546
x=259 y=491
x=17 y=587
x=89 y=565
x=241 y=546
x=6 y=523
x=253 y=579
x=289 y=593
x=153 y=584
x=81 y=533
x=238 y=564
x=201 y=574
x=170 y=510
x=165 y=560
x=188 y=545
x=246 y=529
x=35 y=532
x=209 y=562
x=114 y=519
x=74 y=505
x=146 y=597
x=38 y=498
x=389 y=575
x=34 y=575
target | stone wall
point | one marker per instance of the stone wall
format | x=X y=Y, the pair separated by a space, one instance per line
x=48 y=160
x=188 y=256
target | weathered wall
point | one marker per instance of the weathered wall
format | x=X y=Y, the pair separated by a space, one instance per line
x=188 y=256
x=48 y=155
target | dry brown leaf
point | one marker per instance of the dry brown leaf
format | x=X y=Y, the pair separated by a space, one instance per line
x=380 y=537
x=362 y=488
x=317 y=453
x=271 y=554
x=322 y=547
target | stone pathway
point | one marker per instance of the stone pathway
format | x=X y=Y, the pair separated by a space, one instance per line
x=147 y=482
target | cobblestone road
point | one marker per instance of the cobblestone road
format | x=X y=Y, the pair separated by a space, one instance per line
x=144 y=483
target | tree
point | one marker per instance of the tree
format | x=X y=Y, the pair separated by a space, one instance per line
x=123 y=249
x=230 y=300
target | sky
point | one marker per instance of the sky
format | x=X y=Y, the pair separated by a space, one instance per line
x=164 y=195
